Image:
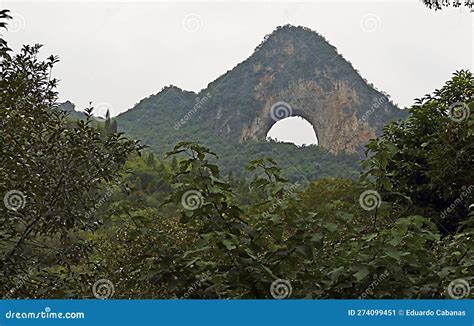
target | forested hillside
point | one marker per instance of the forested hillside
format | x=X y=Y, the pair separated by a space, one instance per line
x=294 y=66
x=89 y=212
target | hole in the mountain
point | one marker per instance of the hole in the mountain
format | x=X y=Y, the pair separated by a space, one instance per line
x=296 y=130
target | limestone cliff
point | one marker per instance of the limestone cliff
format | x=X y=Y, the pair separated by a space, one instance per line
x=293 y=72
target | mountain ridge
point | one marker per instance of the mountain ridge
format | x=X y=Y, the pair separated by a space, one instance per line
x=293 y=65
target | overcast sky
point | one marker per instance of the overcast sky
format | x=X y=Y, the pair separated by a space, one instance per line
x=115 y=53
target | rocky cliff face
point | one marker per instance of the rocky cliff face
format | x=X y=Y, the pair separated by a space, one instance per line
x=294 y=72
x=332 y=115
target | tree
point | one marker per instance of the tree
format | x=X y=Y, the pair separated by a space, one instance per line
x=174 y=164
x=113 y=127
x=107 y=120
x=440 y=4
x=427 y=160
x=150 y=161
x=4 y=16
x=52 y=171
x=110 y=126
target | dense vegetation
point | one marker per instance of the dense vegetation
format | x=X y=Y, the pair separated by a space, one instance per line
x=291 y=60
x=440 y=4
x=52 y=171
x=82 y=205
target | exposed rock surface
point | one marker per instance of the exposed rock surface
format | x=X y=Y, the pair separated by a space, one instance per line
x=294 y=72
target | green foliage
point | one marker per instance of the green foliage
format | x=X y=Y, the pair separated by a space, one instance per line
x=150 y=161
x=233 y=111
x=4 y=49
x=184 y=229
x=51 y=174
x=427 y=160
x=110 y=126
x=318 y=238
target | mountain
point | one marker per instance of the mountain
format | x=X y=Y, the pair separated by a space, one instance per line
x=293 y=72
x=70 y=109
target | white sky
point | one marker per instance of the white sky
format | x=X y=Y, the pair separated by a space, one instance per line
x=295 y=130
x=116 y=53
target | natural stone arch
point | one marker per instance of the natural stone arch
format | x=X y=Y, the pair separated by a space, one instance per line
x=332 y=114
x=295 y=129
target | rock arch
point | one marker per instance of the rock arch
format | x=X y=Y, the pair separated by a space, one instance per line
x=332 y=114
x=296 y=130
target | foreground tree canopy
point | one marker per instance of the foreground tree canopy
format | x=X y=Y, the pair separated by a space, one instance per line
x=81 y=205
x=440 y=4
x=51 y=170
